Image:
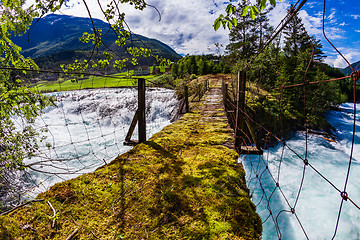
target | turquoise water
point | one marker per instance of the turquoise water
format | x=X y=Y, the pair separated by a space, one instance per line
x=318 y=204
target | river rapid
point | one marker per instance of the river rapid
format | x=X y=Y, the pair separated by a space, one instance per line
x=318 y=204
x=87 y=129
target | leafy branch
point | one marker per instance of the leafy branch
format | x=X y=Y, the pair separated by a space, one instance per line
x=229 y=21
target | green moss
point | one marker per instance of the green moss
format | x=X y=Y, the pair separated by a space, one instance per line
x=181 y=184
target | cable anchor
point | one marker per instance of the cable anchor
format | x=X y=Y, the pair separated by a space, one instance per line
x=355 y=75
x=344 y=196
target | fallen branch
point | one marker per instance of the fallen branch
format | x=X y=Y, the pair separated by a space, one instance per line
x=54 y=211
x=21 y=205
x=72 y=235
x=95 y=235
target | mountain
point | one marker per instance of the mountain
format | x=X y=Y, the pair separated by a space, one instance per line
x=347 y=71
x=55 y=38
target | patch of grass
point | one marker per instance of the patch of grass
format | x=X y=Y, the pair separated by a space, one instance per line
x=116 y=80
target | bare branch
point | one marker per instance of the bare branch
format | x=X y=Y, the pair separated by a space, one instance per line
x=54 y=211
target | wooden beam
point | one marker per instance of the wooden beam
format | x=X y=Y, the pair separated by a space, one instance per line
x=141 y=109
x=240 y=108
x=187 y=108
x=128 y=140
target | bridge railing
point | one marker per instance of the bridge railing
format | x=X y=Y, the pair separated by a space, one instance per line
x=191 y=91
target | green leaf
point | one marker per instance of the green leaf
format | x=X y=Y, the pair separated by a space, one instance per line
x=223 y=23
x=263 y=4
x=229 y=25
x=229 y=9
x=217 y=24
x=245 y=11
x=234 y=22
x=273 y=3
x=254 y=12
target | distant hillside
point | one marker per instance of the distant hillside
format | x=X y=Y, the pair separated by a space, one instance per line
x=55 y=39
x=347 y=71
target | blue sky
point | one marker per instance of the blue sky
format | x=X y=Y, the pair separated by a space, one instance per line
x=342 y=27
x=186 y=25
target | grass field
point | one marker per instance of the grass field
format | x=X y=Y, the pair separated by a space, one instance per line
x=116 y=80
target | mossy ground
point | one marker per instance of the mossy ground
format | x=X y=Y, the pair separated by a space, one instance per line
x=181 y=184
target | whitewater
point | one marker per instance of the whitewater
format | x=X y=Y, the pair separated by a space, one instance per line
x=86 y=129
x=318 y=204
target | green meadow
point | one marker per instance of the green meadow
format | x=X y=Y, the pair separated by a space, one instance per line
x=111 y=81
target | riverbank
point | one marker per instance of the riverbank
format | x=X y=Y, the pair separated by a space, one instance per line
x=183 y=183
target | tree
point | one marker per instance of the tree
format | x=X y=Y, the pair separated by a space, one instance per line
x=296 y=38
x=248 y=36
x=299 y=49
x=242 y=36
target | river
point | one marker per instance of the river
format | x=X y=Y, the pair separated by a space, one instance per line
x=87 y=129
x=319 y=202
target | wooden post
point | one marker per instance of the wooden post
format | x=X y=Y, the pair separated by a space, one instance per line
x=187 y=108
x=240 y=108
x=224 y=93
x=131 y=130
x=200 y=91
x=226 y=97
x=141 y=109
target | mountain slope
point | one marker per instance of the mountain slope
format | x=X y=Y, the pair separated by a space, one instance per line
x=56 y=34
x=347 y=71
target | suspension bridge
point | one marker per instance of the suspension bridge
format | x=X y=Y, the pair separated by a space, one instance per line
x=185 y=181
x=182 y=182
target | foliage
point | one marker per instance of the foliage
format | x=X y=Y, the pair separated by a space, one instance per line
x=248 y=36
x=199 y=65
x=226 y=21
x=164 y=80
x=19 y=105
x=253 y=11
x=298 y=60
x=18 y=138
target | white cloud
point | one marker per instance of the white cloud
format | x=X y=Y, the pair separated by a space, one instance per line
x=334 y=59
x=332 y=15
x=340 y=62
x=278 y=13
x=185 y=25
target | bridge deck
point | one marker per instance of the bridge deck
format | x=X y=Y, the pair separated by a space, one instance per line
x=182 y=183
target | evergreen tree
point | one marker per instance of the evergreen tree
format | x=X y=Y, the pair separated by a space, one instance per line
x=263 y=28
x=249 y=35
x=192 y=65
x=242 y=36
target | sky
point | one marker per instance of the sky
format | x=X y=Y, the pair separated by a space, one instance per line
x=187 y=25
